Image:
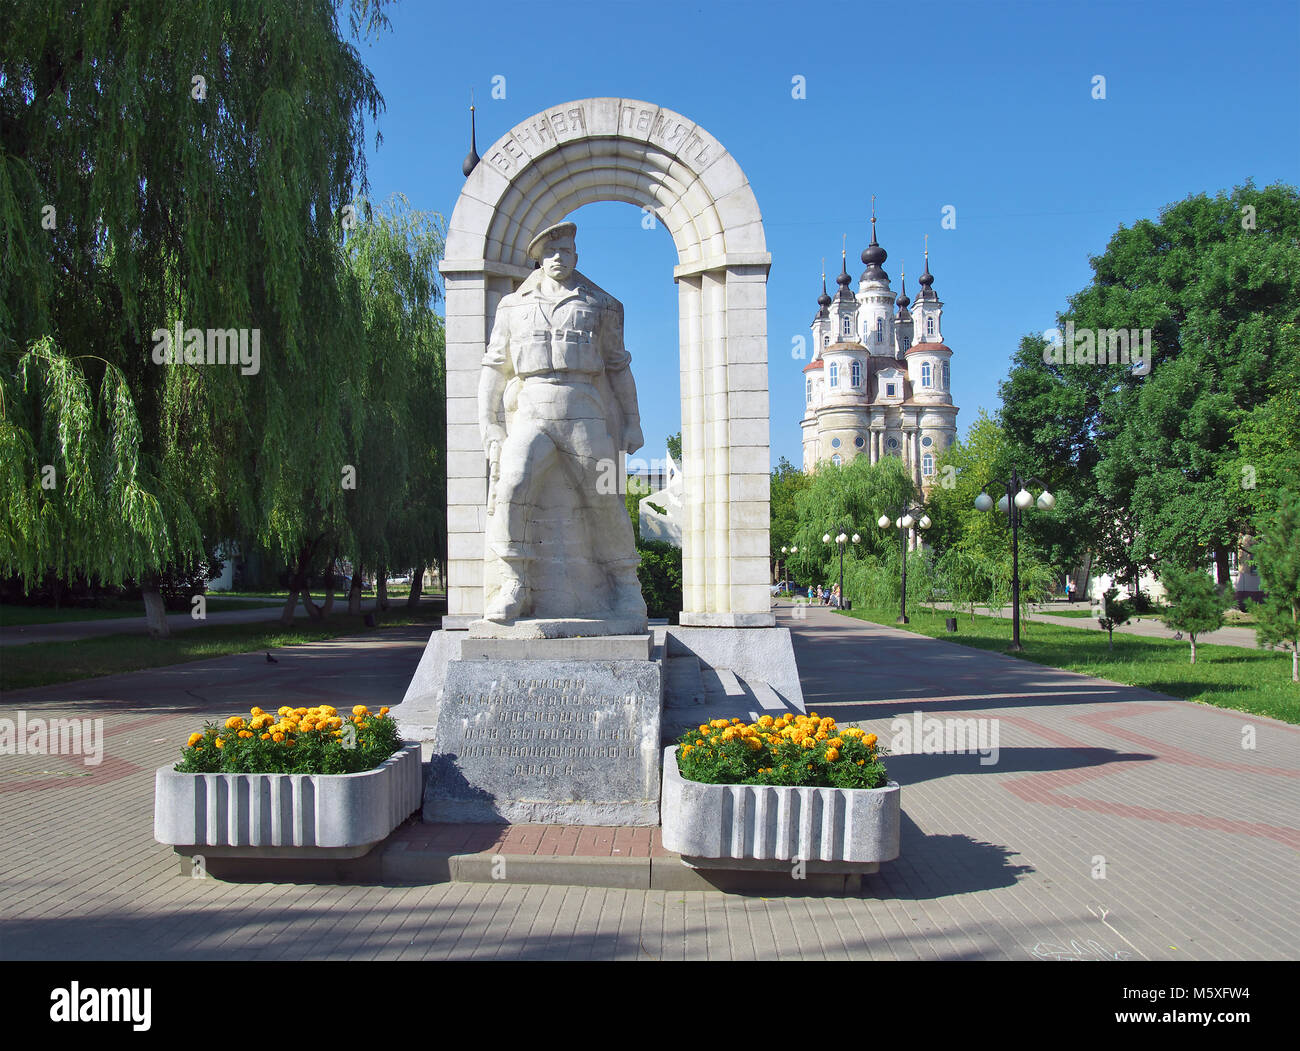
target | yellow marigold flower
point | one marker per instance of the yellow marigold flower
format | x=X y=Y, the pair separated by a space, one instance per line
x=686 y=749
x=221 y=743
x=822 y=735
x=717 y=724
x=194 y=739
x=861 y=762
x=755 y=745
x=360 y=709
x=283 y=711
x=383 y=712
x=704 y=728
x=835 y=742
x=255 y=711
x=832 y=754
x=730 y=734
x=808 y=742
x=699 y=743
x=735 y=722
x=235 y=722
x=300 y=711
x=266 y=737
x=813 y=715
x=869 y=740
x=245 y=733
x=713 y=741
x=277 y=736
x=329 y=710
x=765 y=721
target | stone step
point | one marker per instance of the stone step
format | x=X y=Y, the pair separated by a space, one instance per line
x=683 y=685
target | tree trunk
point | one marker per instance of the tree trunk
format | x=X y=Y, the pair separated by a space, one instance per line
x=313 y=610
x=154 y=611
x=298 y=585
x=328 y=607
x=381 y=587
x=417 y=585
x=354 y=592
x=1193 y=638
x=1221 y=569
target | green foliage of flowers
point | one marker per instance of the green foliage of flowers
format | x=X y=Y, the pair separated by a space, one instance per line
x=298 y=741
x=803 y=750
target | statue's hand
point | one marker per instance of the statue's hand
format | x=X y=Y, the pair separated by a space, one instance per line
x=633 y=439
x=494 y=438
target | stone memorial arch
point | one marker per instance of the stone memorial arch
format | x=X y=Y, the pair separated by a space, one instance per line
x=609 y=149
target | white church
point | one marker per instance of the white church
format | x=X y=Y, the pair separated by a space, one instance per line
x=880 y=381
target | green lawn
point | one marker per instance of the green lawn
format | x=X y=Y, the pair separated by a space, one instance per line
x=1247 y=680
x=42 y=663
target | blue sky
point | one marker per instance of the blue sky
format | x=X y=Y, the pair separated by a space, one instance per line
x=986 y=107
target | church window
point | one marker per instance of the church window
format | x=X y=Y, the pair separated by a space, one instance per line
x=892 y=443
x=808 y=390
x=889 y=390
x=929 y=326
x=835 y=443
x=880 y=330
x=826 y=341
x=927 y=464
x=925 y=374
x=835 y=373
x=855 y=373
x=836 y=460
x=907 y=342
x=927 y=441
x=848 y=326
x=946 y=380
x=859 y=441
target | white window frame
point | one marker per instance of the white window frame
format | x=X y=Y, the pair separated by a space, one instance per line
x=835 y=373
x=855 y=374
x=929 y=326
x=926 y=374
x=880 y=330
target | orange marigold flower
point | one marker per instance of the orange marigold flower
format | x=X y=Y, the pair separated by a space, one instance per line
x=383 y=712
x=221 y=743
x=256 y=711
x=235 y=722
x=266 y=737
x=245 y=733
x=835 y=742
x=809 y=742
x=832 y=754
x=765 y=721
x=194 y=739
x=869 y=740
x=704 y=728
x=277 y=736
x=360 y=709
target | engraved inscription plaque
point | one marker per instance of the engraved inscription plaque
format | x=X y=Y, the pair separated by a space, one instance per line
x=546 y=741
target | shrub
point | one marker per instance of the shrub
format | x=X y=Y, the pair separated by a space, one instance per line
x=802 y=750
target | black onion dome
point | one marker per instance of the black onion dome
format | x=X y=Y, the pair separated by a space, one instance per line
x=902 y=301
x=873 y=256
x=844 y=280
x=927 y=279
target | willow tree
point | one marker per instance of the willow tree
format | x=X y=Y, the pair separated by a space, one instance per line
x=174 y=168
x=396 y=427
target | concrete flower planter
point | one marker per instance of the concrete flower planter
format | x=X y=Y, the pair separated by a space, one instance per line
x=286 y=815
x=768 y=827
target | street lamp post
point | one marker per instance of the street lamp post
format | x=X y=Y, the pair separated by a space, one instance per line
x=841 y=540
x=1017 y=499
x=785 y=561
x=904 y=522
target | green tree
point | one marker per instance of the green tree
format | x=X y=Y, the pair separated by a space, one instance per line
x=976 y=464
x=1277 y=555
x=169 y=165
x=787 y=483
x=1195 y=604
x=1115 y=613
x=675 y=447
x=1138 y=461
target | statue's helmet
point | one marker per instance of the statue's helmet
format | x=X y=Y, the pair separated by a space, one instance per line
x=552 y=233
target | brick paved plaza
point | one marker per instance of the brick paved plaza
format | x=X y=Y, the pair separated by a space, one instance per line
x=1200 y=837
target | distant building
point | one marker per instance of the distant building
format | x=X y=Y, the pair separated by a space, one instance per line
x=879 y=382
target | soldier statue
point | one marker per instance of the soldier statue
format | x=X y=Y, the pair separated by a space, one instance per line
x=556 y=393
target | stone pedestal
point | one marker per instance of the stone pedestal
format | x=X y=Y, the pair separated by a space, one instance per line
x=547 y=731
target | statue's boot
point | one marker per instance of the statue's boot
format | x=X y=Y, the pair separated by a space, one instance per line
x=628 y=599
x=511 y=600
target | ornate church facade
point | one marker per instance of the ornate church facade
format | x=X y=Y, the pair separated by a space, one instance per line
x=880 y=379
